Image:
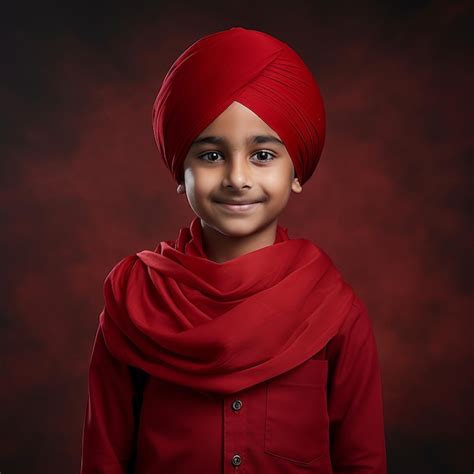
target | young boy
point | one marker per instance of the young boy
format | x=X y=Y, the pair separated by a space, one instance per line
x=234 y=348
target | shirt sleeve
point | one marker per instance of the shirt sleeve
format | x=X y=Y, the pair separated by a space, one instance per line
x=109 y=432
x=355 y=404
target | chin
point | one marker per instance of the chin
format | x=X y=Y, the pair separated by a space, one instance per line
x=235 y=227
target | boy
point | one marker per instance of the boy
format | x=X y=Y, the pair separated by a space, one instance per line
x=234 y=348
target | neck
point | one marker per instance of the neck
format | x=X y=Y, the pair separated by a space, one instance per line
x=221 y=248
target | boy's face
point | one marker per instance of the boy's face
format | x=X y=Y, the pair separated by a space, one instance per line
x=234 y=167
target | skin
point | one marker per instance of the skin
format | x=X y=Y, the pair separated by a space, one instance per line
x=237 y=169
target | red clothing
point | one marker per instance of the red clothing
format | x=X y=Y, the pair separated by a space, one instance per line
x=324 y=416
x=247 y=66
x=222 y=327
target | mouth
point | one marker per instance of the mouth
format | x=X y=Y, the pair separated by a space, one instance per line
x=239 y=207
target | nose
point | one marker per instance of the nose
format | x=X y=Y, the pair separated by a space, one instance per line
x=237 y=172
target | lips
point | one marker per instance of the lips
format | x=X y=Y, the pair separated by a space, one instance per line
x=236 y=203
x=231 y=203
x=240 y=207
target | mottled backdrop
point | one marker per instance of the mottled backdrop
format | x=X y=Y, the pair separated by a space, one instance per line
x=82 y=186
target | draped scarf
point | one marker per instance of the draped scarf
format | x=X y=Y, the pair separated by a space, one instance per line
x=222 y=327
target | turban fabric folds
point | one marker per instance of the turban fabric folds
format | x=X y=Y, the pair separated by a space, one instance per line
x=253 y=68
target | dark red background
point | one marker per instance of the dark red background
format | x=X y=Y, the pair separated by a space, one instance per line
x=82 y=186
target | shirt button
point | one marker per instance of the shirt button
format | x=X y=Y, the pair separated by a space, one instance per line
x=236 y=405
x=236 y=460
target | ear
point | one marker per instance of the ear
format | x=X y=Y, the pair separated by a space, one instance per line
x=296 y=186
x=181 y=188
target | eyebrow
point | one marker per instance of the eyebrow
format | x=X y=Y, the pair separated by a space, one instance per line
x=255 y=139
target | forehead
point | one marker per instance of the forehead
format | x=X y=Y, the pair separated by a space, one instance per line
x=239 y=122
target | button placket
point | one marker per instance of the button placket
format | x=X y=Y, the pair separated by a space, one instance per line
x=234 y=434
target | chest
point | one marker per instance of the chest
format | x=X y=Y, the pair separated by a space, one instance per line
x=280 y=424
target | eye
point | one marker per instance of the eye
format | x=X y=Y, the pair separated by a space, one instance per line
x=214 y=154
x=265 y=153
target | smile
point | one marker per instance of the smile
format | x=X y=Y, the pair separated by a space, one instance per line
x=239 y=207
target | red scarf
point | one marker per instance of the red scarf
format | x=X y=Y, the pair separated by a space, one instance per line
x=222 y=327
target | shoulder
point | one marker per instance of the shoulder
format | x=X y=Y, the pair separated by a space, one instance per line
x=122 y=266
x=355 y=331
x=117 y=277
x=358 y=317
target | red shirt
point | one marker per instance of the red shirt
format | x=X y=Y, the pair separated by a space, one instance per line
x=324 y=416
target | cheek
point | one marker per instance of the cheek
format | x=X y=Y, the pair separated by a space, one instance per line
x=278 y=184
x=202 y=189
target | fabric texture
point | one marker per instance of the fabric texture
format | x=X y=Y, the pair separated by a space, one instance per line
x=222 y=327
x=253 y=68
x=324 y=417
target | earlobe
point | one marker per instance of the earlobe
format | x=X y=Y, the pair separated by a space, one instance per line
x=180 y=189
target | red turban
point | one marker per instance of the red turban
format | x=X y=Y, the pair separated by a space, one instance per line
x=259 y=71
